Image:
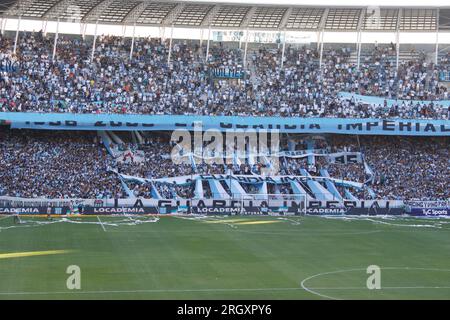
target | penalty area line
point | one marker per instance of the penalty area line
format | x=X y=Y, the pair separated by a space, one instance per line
x=101 y=223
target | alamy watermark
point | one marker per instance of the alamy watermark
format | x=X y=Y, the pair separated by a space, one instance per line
x=229 y=147
x=73 y=282
x=374 y=280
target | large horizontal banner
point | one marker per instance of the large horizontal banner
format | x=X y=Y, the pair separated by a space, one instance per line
x=117 y=122
x=380 y=100
x=429 y=204
x=78 y=210
x=337 y=157
x=221 y=207
x=248 y=179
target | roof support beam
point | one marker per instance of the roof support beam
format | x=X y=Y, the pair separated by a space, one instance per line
x=359 y=36
x=133 y=15
x=19 y=8
x=245 y=49
x=321 y=49
x=283 y=50
x=207 y=44
x=4 y=20
x=132 y=42
x=55 y=43
x=170 y=46
x=173 y=15
x=55 y=11
x=17 y=35
x=248 y=17
x=210 y=16
x=96 y=12
x=397 y=37
x=94 y=43
x=285 y=19
x=436 y=61
x=320 y=34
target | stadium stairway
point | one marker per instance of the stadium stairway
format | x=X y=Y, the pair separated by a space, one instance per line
x=115 y=137
x=138 y=136
x=126 y=188
x=320 y=193
x=106 y=141
x=154 y=193
x=236 y=188
x=298 y=189
x=330 y=185
x=349 y=195
x=263 y=189
x=217 y=189
x=198 y=191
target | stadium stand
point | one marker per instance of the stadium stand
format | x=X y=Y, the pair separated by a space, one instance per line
x=52 y=72
x=55 y=165
x=47 y=164
x=147 y=84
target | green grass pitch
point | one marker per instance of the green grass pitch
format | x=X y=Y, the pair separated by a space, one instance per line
x=245 y=257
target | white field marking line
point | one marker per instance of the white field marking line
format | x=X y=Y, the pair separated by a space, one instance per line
x=404 y=225
x=124 y=222
x=31 y=225
x=299 y=233
x=194 y=218
x=311 y=290
x=152 y=291
x=223 y=221
x=290 y=233
x=382 y=288
x=293 y=221
x=101 y=223
x=204 y=290
x=380 y=220
x=3 y=218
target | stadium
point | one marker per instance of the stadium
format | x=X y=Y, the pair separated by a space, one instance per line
x=224 y=150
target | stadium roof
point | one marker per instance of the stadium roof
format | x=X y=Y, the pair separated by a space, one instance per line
x=230 y=16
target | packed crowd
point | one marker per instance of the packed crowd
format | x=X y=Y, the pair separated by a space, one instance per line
x=148 y=84
x=156 y=163
x=64 y=165
x=56 y=165
x=409 y=168
x=390 y=162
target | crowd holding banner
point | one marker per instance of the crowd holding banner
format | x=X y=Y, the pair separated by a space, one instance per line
x=66 y=165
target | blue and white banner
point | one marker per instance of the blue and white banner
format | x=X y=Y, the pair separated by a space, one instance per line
x=248 y=179
x=380 y=100
x=117 y=122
